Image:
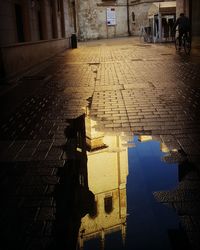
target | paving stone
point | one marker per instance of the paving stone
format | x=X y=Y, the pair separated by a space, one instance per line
x=136 y=88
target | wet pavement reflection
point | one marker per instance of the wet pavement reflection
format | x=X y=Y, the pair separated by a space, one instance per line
x=99 y=185
x=111 y=189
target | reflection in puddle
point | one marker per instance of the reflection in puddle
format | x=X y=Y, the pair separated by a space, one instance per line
x=149 y=222
x=123 y=181
x=111 y=199
x=107 y=179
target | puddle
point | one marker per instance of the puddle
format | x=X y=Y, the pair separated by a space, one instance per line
x=149 y=222
x=124 y=179
x=108 y=187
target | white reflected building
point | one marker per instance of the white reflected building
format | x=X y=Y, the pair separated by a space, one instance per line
x=107 y=177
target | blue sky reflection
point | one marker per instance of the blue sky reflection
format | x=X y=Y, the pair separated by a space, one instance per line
x=149 y=221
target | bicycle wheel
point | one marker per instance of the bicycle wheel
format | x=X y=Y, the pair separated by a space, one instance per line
x=177 y=44
x=187 y=46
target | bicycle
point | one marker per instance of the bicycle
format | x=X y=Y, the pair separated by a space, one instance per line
x=145 y=34
x=186 y=44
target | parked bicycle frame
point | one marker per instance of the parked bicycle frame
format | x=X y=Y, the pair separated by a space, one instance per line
x=145 y=34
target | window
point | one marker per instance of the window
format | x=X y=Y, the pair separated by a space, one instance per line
x=19 y=23
x=133 y=16
x=93 y=212
x=108 y=204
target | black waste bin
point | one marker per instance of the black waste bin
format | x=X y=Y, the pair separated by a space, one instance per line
x=73 y=41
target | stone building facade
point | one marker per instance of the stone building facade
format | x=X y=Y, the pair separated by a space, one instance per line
x=127 y=17
x=139 y=13
x=93 y=18
x=32 y=31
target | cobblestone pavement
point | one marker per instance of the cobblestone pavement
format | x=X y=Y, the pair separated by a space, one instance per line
x=130 y=87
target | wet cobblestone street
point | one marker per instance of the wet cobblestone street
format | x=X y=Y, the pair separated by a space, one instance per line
x=129 y=88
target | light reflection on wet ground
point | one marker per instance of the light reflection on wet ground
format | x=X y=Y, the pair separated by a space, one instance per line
x=123 y=180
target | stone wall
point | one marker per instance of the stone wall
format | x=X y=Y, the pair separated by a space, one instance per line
x=21 y=57
x=182 y=6
x=32 y=32
x=196 y=18
x=7 y=29
x=92 y=19
x=140 y=12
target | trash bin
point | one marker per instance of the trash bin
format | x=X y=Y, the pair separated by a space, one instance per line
x=73 y=41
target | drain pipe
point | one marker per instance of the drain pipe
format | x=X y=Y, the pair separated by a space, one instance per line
x=159 y=24
x=128 y=20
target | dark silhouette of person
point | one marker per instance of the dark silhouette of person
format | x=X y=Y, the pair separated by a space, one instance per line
x=183 y=24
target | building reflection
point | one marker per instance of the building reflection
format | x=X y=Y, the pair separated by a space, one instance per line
x=91 y=199
x=163 y=146
x=107 y=169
